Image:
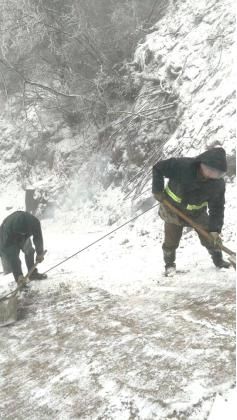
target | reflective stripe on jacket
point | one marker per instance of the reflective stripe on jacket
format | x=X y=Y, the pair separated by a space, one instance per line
x=186 y=184
x=179 y=200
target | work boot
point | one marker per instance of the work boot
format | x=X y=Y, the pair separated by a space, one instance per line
x=217 y=258
x=170 y=270
x=38 y=276
x=169 y=258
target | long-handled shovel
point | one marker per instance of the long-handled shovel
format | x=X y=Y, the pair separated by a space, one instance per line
x=8 y=302
x=201 y=230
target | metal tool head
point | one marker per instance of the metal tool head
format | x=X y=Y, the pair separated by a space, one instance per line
x=8 y=310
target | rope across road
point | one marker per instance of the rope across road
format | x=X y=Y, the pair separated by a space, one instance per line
x=100 y=239
x=10 y=294
x=177 y=211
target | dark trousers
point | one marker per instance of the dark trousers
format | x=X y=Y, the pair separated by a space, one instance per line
x=173 y=234
x=11 y=262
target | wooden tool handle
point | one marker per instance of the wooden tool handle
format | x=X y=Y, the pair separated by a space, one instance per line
x=196 y=226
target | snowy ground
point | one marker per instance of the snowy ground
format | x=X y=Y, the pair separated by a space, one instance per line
x=107 y=336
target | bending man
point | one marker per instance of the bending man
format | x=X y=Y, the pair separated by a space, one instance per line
x=15 y=233
x=195 y=185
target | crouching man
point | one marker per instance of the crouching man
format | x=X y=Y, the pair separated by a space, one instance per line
x=15 y=233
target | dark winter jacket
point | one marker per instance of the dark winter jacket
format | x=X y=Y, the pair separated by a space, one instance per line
x=15 y=229
x=195 y=193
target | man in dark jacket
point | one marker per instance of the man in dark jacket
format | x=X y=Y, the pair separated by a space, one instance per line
x=195 y=185
x=15 y=233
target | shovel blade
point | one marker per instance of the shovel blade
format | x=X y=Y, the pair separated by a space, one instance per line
x=8 y=311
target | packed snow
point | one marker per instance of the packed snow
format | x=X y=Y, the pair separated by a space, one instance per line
x=107 y=336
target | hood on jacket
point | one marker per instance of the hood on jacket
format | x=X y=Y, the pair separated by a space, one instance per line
x=215 y=158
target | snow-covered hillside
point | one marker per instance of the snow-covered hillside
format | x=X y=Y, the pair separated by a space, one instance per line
x=107 y=336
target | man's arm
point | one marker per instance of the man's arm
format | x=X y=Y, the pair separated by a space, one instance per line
x=165 y=168
x=37 y=236
x=216 y=207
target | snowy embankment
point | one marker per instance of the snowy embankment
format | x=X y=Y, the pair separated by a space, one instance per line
x=107 y=336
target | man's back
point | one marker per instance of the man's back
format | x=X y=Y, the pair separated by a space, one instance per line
x=20 y=225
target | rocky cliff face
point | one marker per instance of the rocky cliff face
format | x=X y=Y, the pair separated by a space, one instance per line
x=187 y=96
x=184 y=103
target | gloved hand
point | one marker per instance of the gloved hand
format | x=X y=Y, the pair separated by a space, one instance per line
x=159 y=196
x=39 y=258
x=216 y=239
x=21 y=280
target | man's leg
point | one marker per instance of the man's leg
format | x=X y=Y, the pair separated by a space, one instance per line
x=216 y=254
x=29 y=252
x=11 y=262
x=6 y=265
x=173 y=235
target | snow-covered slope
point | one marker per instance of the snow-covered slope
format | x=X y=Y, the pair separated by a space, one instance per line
x=107 y=336
x=192 y=52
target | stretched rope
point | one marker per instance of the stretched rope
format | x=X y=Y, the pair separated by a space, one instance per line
x=14 y=292
x=100 y=239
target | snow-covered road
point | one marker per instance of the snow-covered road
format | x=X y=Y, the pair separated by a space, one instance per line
x=107 y=336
